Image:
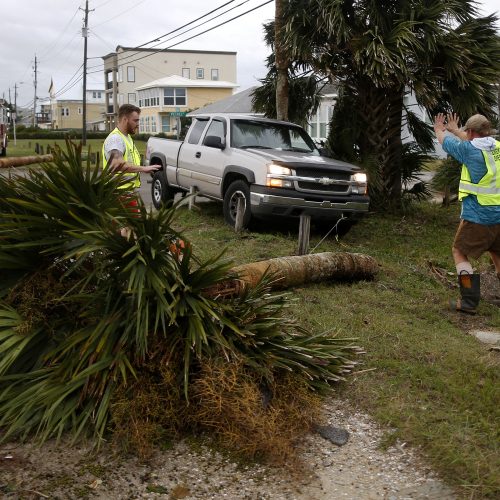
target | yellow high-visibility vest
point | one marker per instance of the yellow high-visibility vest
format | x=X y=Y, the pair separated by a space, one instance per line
x=131 y=155
x=487 y=190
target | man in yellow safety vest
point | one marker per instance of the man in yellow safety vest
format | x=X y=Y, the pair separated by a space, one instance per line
x=120 y=154
x=479 y=192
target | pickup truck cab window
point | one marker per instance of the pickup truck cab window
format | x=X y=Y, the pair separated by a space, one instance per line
x=216 y=128
x=263 y=135
x=197 y=131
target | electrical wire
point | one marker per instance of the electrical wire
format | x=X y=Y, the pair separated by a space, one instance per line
x=44 y=51
x=194 y=36
x=181 y=27
x=121 y=13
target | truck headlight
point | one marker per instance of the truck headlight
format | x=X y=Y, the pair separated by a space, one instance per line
x=359 y=177
x=361 y=185
x=277 y=176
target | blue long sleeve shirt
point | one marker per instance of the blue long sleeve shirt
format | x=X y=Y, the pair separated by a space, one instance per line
x=470 y=154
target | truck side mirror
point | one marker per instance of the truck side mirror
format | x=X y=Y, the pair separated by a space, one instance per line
x=214 y=141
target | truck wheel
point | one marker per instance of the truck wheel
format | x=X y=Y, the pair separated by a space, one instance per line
x=235 y=191
x=160 y=191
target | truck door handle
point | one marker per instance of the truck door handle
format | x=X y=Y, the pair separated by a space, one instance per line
x=198 y=155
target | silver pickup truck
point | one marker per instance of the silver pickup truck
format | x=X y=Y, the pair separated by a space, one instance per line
x=273 y=165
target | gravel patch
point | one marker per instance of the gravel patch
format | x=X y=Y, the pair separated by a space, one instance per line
x=357 y=470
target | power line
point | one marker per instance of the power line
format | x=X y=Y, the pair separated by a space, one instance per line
x=177 y=29
x=194 y=36
x=49 y=47
x=121 y=13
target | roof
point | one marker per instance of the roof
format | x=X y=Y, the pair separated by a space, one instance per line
x=242 y=102
x=236 y=103
x=179 y=81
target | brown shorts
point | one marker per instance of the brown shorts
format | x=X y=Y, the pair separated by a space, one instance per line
x=474 y=239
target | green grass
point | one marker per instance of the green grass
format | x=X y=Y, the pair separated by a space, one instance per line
x=26 y=147
x=423 y=376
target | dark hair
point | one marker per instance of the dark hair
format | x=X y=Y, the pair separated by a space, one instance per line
x=126 y=110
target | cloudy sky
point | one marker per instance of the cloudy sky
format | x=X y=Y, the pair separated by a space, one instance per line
x=51 y=30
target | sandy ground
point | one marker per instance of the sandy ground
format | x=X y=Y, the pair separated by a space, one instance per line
x=357 y=470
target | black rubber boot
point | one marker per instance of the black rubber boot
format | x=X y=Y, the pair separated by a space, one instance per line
x=470 y=293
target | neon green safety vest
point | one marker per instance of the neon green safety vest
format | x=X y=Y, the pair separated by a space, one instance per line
x=487 y=190
x=131 y=155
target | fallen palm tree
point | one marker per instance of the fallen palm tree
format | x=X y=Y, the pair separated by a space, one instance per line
x=20 y=161
x=104 y=336
x=297 y=270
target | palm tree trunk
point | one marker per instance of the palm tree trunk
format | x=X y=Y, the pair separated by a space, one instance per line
x=281 y=63
x=20 y=161
x=296 y=270
x=381 y=145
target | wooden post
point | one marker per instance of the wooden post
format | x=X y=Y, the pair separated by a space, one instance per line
x=37 y=148
x=304 y=233
x=240 y=213
x=41 y=149
x=192 y=197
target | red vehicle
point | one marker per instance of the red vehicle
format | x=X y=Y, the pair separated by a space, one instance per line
x=3 y=130
x=3 y=139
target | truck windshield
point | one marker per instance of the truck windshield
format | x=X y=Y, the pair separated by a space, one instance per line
x=267 y=135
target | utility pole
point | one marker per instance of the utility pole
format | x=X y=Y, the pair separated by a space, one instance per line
x=85 y=33
x=14 y=117
x=10 y=109
x=34 y=101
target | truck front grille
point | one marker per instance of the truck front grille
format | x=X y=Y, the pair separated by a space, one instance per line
x=317 y=186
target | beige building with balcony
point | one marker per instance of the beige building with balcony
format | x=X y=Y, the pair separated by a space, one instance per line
x=128 y=69
x=164 y=100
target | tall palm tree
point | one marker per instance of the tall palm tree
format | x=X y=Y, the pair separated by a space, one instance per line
x=381 y=50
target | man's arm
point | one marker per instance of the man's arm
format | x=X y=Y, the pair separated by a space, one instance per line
x=117 y=163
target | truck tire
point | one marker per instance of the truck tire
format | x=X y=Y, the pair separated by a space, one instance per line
x=236 y=190
x=160 y=190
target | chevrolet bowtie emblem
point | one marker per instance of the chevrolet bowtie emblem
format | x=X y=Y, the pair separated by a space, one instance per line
x=326 y=180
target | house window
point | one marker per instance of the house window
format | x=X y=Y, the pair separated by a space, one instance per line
x=130 y=73
x=153 y=124
x=174 y=96
x=141 y=125
x=79 y=111
x=131 y=98
x=147 y=123
x=99 y=94
x=64 y=111
x=94 y=95
x=165 y=123
x=200 y=73
x=214 y=74
x=186 y=73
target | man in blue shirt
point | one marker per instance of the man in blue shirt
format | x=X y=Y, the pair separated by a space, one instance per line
x=479 y=191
